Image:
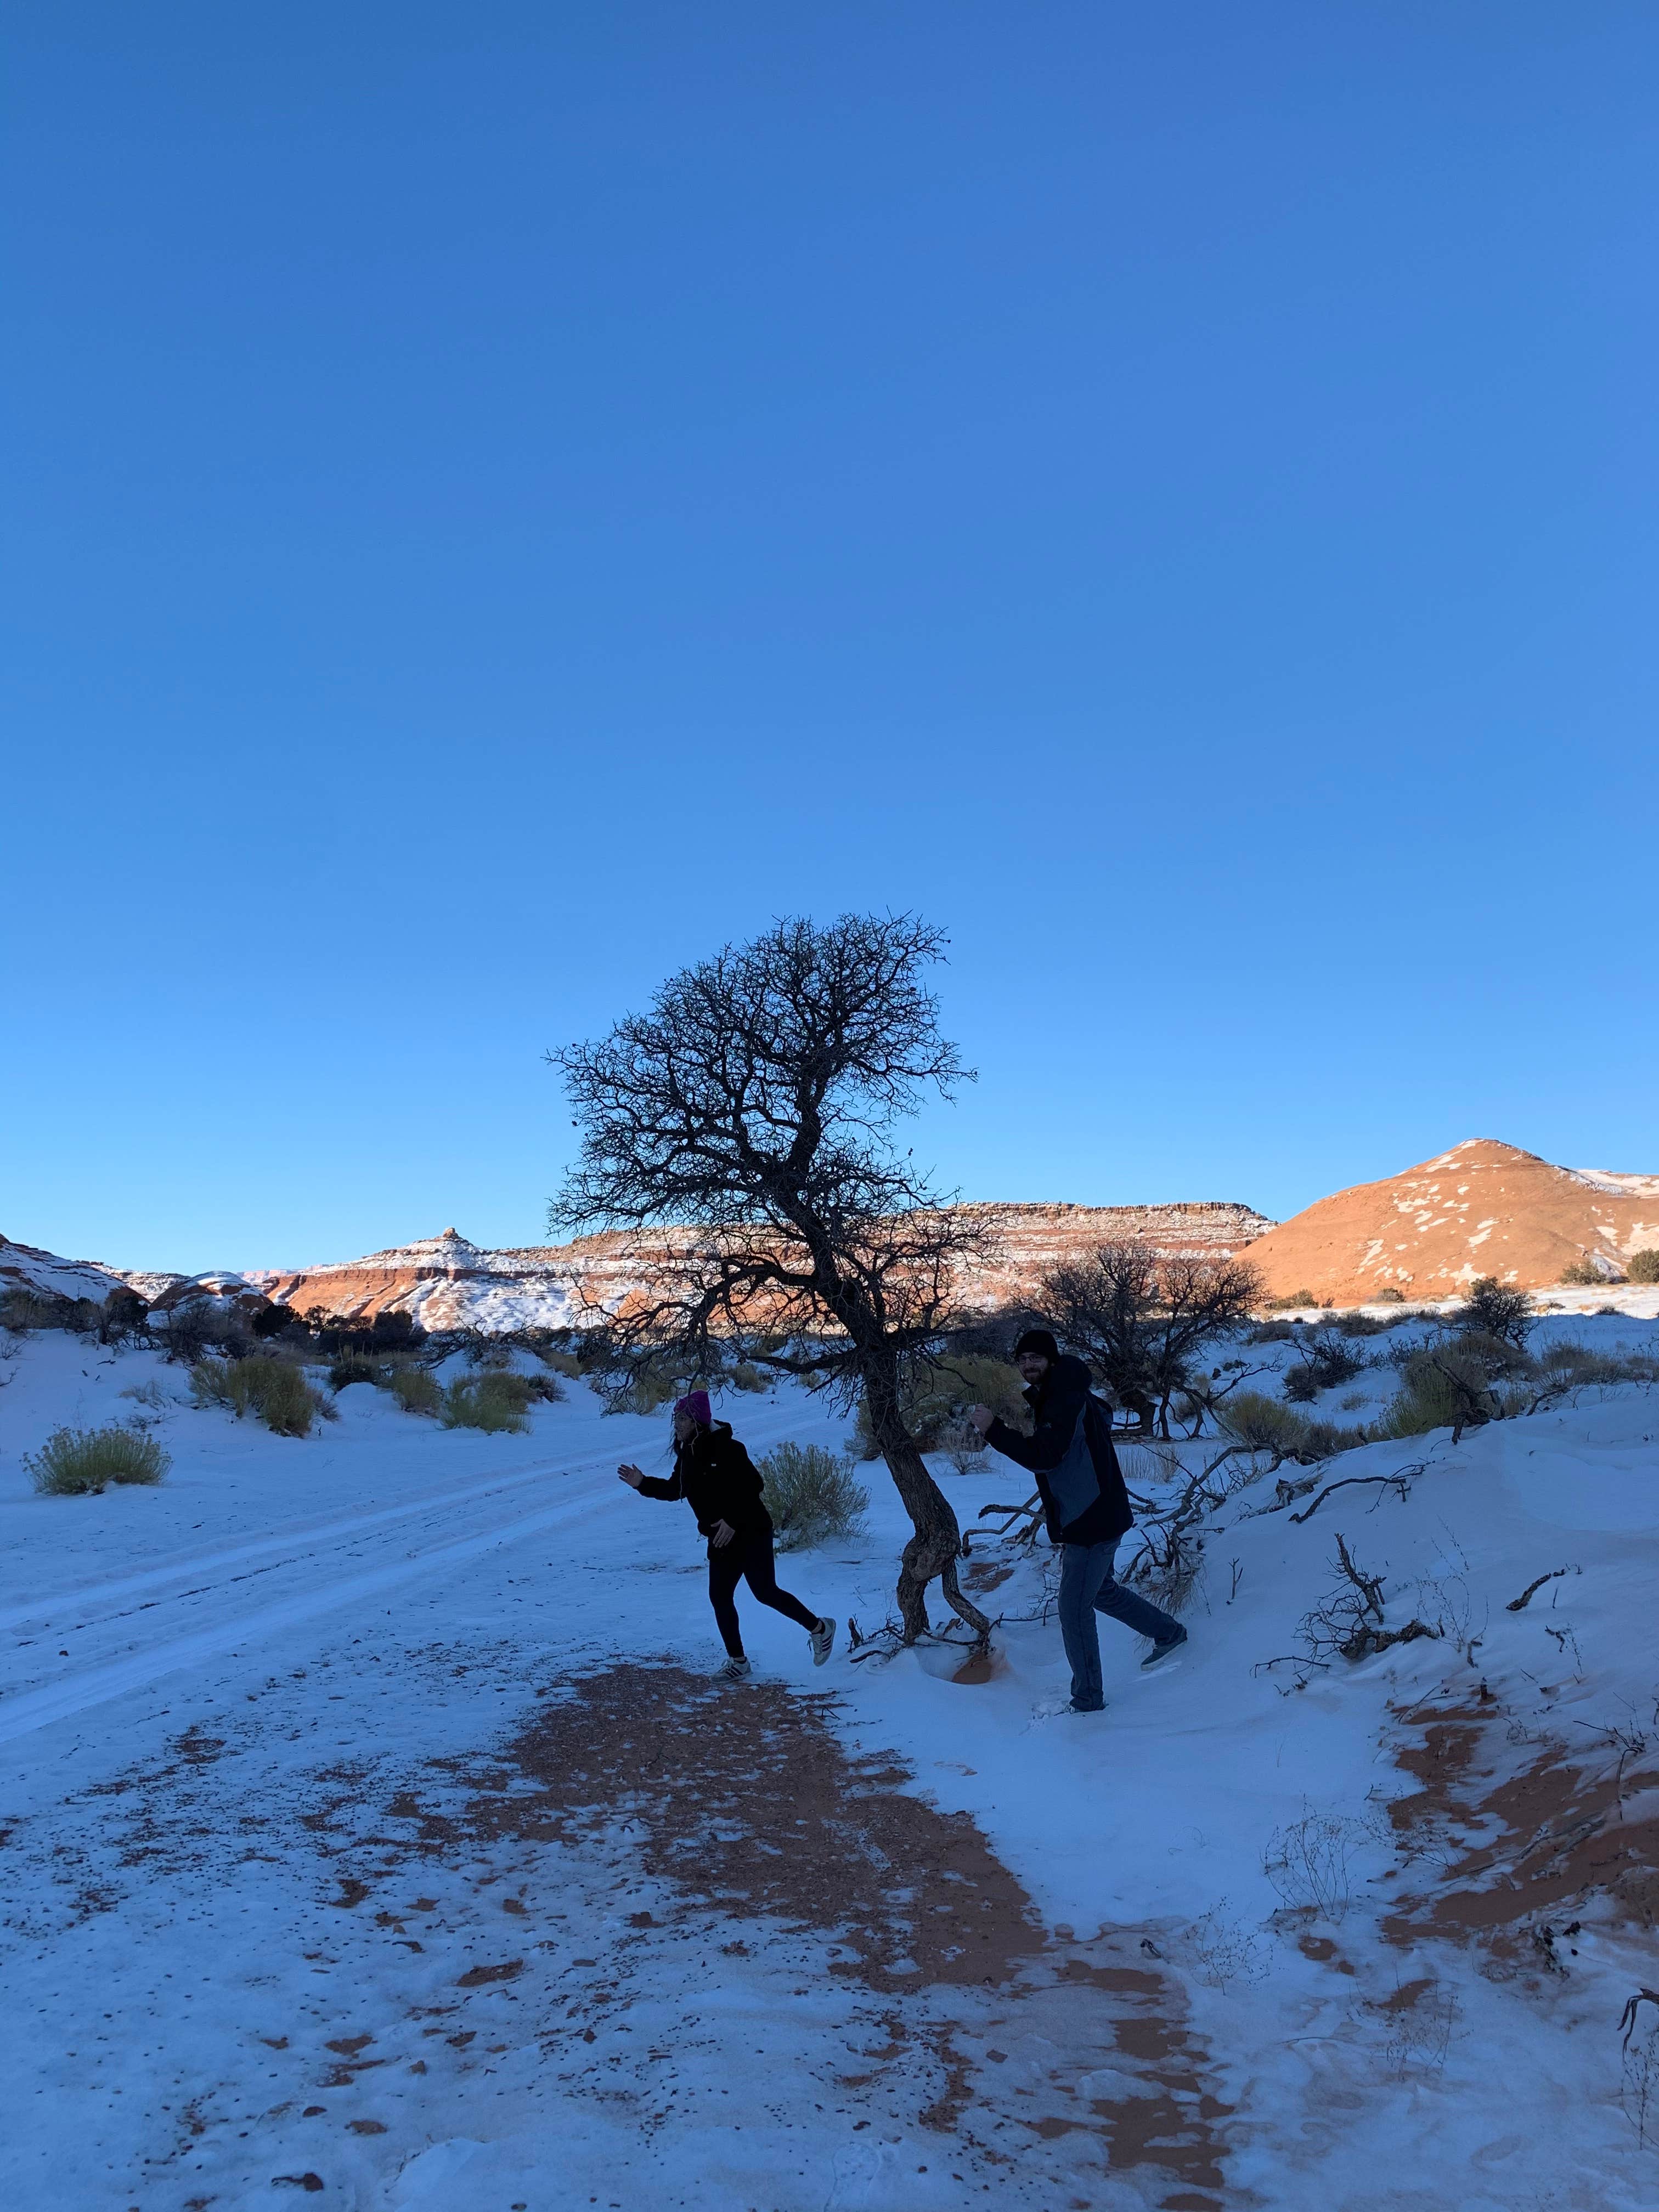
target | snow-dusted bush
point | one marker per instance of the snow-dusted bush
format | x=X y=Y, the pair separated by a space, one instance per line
x=79 y=1462
x=274 y=1391
x=494 y=1401
x=1645 y=1265
x=812 y=1496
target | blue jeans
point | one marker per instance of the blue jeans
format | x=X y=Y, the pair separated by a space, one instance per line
x=1086 y=1588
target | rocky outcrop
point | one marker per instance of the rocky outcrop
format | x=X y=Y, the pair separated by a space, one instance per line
x=1483 y=1208
x=26 y=1268
x=446 y=1282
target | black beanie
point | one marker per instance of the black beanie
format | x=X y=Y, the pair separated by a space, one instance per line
x=1037 y=1341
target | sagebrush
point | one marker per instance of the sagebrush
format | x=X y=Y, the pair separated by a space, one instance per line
x=274 y=1391
x=812 y=1496
x=80 y=1462
x=495 y=1400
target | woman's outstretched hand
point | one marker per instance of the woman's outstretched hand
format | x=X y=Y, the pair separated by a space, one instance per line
x=721 y=1534
x=633 y=1476
x=982 y=1417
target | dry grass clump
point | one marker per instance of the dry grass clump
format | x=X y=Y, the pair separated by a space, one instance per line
x=495 y=1400
x=80 y=1462
x=274 y=1391
x=812 y=1496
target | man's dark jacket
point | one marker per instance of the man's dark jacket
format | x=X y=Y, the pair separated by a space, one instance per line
x=718 y=1480
x=1056 y=1402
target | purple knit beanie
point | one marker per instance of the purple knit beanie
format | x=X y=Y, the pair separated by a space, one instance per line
x=695 y=1402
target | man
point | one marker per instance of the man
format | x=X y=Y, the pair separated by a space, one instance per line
x=1086 y=1506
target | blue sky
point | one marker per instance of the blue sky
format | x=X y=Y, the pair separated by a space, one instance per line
x=512 y=497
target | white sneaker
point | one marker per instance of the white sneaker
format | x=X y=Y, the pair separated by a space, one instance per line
x=737 y=1670
x=824 y=1640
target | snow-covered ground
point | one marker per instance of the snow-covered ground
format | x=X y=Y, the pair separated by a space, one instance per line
x=372 y=1834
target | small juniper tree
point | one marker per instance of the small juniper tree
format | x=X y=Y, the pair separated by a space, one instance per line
x=755 y=1103
x=1142 y=1320
x=1498 y=1309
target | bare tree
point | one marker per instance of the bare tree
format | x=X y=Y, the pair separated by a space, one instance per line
x=755 y=1102
x=1142 y=1320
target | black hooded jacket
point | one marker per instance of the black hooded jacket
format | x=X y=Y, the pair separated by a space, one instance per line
x=717 y=1479
x=1056 y=1402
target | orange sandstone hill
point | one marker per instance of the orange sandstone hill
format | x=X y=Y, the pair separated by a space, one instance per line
x=1483 y=1208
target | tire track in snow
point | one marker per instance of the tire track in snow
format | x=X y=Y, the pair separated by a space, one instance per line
x=98 y=1685
x=205 y=1561
x=178 y=1648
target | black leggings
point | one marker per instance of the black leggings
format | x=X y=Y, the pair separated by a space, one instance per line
x=748 y=1558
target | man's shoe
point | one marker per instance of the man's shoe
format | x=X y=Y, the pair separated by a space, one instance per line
x=737 y=1670
x=824 y=1641
x=1163 y=1650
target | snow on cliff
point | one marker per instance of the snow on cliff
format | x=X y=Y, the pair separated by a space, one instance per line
x=447 y=1282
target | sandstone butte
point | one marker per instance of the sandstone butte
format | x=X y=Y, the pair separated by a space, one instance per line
x=1483 y=1208
x=448 y=1283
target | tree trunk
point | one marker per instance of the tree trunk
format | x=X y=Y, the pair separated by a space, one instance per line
x=936 y=1544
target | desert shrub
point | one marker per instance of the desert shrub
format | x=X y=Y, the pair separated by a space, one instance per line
x=1585 y=1275
x=1644 y=1265
x=544 y=1389
x=1496 y=1310
x=79 y=1462
x=653 y=1383
x=1390 y=1294
x=1578 y=1365
x=495 y=1400
x=274 y=1391
x=200 y=1326
x=812 y=1496
x=1327 y=1360
x=1300 y=1384
x=1433 y=1398
x=123 y=1316
x=25 y=1310
x=562 y=1363
x=1296 y=1299
x=1272 y=1331
x=1364 y=1324
x=349 y=1367
x=416 y=1390
x=1325 y=1439
x=934 y=1398
x=747 y=1377
x=276 y=1320
x=1264 y=1424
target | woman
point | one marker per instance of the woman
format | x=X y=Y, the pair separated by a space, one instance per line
x=722 y=1486
x=1086 y=1506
